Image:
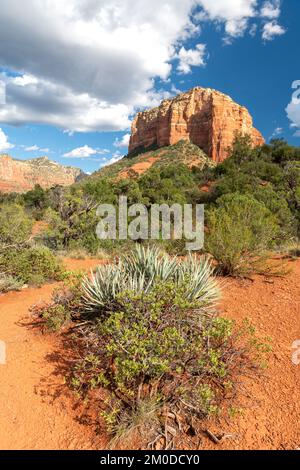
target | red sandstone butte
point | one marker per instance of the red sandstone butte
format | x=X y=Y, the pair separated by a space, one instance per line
x=18 y=176
x=203 y=116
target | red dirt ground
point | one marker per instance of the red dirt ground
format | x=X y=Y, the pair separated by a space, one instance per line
x=139 y=168
x=34 y=415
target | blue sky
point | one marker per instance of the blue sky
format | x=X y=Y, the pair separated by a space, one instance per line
x=74 y=75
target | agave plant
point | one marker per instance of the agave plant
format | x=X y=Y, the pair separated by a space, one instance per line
x=139 y=270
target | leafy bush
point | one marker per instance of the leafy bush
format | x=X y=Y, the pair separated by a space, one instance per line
x=240 y=230
x=159 y=355
x=65 y=305
x=9 y=283
x=139 y=270
x=15 y=225
x=161 y=361
x=30 y=265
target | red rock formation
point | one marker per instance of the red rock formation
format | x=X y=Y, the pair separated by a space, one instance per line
x=202 y=116
x=21 y=176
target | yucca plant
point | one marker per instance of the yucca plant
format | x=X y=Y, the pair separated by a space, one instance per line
x=201 y=283
x=138 y=272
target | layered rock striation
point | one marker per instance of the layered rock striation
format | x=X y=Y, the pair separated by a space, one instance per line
x=20 y=176
x=202 y=116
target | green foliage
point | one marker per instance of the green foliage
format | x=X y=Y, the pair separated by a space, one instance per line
x=240 y=229
x=162 y=353
x=15 y=225
x=9 y=283
x=65 y=304
x=140 y=269
x=72 y=221
x=37 y=200
x=30 y=265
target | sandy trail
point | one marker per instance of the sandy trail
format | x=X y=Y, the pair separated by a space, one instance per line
x=271 y=419
x=29 y=419
x=32 y=418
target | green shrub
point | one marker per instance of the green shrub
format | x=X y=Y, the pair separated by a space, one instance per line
x=30 y=265
x=15 y=225
x=9 y=283
x=240 y=230
x=159 y=356
x=140 y=269
x=65 y=305
x=157 y=352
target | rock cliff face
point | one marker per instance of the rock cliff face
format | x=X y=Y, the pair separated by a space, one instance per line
x=202 y=116
x=21 y=176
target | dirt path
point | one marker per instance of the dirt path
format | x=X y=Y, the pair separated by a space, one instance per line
x=29 y=419
x=272 y=419
x=33 y=419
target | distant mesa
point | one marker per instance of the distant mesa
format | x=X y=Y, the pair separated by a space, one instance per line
x=202 y=116
x=19 y=176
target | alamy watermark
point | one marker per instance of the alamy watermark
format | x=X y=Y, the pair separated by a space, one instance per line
x=159 y=222
x=296 y=93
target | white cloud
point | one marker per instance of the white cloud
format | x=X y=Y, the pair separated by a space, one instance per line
x=88 y=65
x=115 y=158
x=271 y=9
x=191 y=58
x=84 y=152
x=277 y=132
x=24 y=80
x=234 y=14
x=4 y=143
x=35 y=148
x=271 y=30
x=293 y=109
x=124 y=142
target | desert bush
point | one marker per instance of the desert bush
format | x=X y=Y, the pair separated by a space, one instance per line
x=9 y=283
x=140 y=269
x=240 y=230
x=30 y=265
x=65 y=305
x=15 y=225
x=161 y=362
x=159 y=356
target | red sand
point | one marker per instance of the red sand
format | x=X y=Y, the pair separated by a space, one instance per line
x=37 y=410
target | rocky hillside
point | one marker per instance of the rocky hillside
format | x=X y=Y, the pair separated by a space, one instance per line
x=131 y=167
x=21 y=176
x=202 y=116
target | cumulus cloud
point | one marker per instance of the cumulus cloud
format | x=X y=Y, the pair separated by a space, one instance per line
x=84 y=152
x=293 y=109
x=234 y=14
x=4 y=143
x=88 y=65
x=271 y=9
x=191 y=57
x=124 y=142
x=271 y=30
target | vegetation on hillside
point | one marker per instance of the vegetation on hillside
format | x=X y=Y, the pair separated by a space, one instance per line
x=21 y=262
x=261 y=183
